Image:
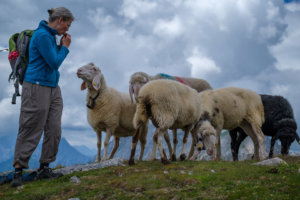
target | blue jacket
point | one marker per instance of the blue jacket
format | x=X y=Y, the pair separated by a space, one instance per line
x=44 y=57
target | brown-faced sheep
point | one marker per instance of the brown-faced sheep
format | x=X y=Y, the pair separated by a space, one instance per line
x=170 y=105
x=228 y=108
x=139 y=79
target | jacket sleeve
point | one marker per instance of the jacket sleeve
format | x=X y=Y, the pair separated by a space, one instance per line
x=48 y=51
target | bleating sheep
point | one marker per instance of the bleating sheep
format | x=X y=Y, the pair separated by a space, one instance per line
x=108 y=110
x=139 y=79
x=170 y=105
x=228 y=108
x=279 y=124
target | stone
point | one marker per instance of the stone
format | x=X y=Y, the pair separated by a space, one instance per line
x=166 y=172
x=87 y=167
x=75 y=179
x=213 y=171
x=271 y=162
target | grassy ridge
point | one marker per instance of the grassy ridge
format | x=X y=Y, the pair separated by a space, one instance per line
x=184 y=180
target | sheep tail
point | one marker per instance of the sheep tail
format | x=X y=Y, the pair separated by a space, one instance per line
x=143 y=112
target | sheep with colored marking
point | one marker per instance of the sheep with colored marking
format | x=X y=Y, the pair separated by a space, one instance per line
x=228 y=108
x=169 y=105
x=139 y=79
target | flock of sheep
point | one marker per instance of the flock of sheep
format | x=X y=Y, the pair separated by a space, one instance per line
x=184 y=103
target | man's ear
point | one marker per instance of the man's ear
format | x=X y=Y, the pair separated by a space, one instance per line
x=83 y=86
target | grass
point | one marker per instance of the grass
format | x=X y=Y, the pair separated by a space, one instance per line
x=146 y=180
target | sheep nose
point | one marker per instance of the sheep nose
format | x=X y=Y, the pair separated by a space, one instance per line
x=80 y=70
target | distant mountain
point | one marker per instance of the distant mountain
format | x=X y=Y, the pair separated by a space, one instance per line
x=67 y=156
x=85 y=150
x=7 y=144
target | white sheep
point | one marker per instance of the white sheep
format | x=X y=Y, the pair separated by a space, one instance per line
x=228 y=108
x=170 y=105
x=108 y=110
x=139 y=79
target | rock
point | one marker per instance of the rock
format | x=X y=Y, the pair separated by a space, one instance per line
x=87 y=167
x=166 y=172
x=213 y=171
x=190 y=172
x=298 y=170
x=271 y=162
x=59 y=166
x=74 y=199
x=182 y=172
x=75 y=179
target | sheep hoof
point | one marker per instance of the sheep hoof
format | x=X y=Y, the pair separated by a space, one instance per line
x=97 y=161
x=165 y=161
x=173 y=157
x=182 y=157
x=131 y=162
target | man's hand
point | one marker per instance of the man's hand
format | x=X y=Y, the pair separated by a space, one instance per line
x=66 y=40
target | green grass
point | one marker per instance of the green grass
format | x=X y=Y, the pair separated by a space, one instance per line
x=146 y=180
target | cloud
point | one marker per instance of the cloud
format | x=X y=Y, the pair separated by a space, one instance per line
x=245 y=43
x=202 y=66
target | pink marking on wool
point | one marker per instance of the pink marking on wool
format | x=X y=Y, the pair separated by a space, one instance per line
x=181 y=80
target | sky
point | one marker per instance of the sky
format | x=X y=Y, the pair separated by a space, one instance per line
x=251 y=44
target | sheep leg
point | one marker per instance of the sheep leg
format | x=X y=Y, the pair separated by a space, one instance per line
x=153 y=152
x=116 y=146
x=106 y=142
x=194 y=139
x=261 y=140
x=184 y=140
x=135 y=138
x=164 y=159
x=248 y=129
x=175 y=141
x=143 y=140
x=99 y=134
x=273 y=140
x=242 y=136
x=167 y=139
x=218 y=143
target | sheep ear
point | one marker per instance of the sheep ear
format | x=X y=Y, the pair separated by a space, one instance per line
x=83 y=86
x=146 y=80
x=96 y=81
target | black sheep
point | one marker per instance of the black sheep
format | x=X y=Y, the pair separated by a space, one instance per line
x=279 y=123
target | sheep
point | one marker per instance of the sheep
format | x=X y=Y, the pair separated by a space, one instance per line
x=169 y=105
x=279 y=124
x=139 y=79
x=108 y=110
x=228 y=108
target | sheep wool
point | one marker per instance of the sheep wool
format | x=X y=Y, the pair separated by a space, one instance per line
x=228 y=108
x=170 y=105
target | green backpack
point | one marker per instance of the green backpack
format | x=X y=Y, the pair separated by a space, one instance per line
x=19 y=58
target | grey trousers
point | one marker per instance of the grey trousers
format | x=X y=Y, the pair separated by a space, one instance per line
x=41 y=111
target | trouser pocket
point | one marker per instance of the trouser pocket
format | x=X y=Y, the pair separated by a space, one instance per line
x=29 y=117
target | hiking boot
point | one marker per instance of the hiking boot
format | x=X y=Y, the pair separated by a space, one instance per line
x=47 y=174
x=17 y=179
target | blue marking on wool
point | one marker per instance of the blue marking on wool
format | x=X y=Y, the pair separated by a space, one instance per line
x=167 y=76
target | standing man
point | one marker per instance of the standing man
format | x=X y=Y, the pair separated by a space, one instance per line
x=42 y=104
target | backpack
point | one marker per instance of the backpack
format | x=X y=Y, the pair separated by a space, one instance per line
x=19 y=58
